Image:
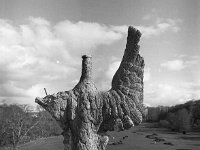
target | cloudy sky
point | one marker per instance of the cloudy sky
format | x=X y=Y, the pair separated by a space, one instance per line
x=42 y=41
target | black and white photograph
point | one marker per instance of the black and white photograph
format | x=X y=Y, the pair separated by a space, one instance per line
x=99 y=74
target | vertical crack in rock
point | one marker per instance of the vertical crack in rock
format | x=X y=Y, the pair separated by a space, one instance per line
x=85 y=113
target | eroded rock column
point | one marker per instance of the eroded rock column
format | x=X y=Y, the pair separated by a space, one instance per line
x=84 y=113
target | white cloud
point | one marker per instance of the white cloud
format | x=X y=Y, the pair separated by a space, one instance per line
x=39 y=54
x=157 y=28
x=112 y=69
x=122 y=29
x=160 y=26
x=147 y=74
x=178 y=64
x=85 y=35
x=174 y=65
x=171 y=94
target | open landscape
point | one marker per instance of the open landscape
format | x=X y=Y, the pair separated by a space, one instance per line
x=99 y=75
x=135 y=138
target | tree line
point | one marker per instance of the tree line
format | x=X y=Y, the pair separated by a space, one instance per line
x=20 y=124
x=182 y=117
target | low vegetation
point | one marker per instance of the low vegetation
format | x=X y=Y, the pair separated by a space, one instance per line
x=183 y=117
x=19 y=124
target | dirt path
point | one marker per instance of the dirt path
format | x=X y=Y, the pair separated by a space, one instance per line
x=139 y=138
x=144 y=138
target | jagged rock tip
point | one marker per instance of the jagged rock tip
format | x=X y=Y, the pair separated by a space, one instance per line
x=86 y=56
x=133 y=35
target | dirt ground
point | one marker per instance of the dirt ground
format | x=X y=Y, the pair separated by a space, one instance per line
x=159 y=139
x=143 y=137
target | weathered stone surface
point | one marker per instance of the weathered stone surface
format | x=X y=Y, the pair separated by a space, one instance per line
x=84 y=112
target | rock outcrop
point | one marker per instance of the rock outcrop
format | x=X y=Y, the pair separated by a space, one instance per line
x=84 y=112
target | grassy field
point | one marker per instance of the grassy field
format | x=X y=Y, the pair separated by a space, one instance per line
x=134 y=138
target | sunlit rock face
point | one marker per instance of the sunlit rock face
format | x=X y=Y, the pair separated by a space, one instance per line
x=84 y=112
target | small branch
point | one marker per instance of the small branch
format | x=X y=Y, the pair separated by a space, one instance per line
x=45 y=91
x=20 y=128
x=30 y=128
x=13 y=137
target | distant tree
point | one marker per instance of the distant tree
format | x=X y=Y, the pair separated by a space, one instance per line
x=15 y=123
x=163 y=111
x=196 y=111
x=184 y=118
x=172 y=118
x=47 y=126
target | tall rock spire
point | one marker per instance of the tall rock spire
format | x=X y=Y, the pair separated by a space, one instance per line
x=83 y=112
x=86 y=68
